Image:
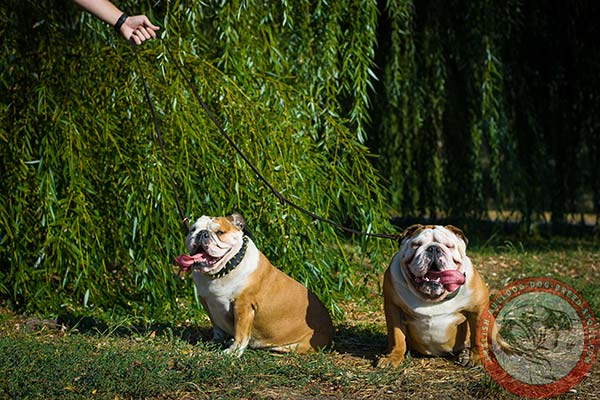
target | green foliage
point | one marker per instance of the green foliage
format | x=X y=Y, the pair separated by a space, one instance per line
x=470 y=107
x=87 y=214
x=488 y=105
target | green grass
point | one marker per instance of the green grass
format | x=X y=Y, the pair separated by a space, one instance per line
x=47 y=364
x=574 y=261
x=121 y=358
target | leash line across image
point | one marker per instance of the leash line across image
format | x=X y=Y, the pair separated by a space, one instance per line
x=184 y=219
x=282 y=199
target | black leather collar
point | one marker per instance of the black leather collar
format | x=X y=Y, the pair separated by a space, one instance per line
x=453 y=294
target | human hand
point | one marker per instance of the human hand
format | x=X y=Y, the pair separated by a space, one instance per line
x=138 y=28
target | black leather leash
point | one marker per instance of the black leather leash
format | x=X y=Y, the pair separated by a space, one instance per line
x=184 y=219
x=282 y=199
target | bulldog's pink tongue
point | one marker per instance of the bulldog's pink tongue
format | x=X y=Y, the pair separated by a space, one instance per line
x=185 y=261
x=451 y=279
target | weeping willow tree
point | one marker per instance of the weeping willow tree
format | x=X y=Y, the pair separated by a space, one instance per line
x=88 y=216
x=488 y=105
x=441 y=87
x=470 y=107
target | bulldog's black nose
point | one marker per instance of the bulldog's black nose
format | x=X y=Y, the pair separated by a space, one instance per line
x=435 y=252
x=433 y=249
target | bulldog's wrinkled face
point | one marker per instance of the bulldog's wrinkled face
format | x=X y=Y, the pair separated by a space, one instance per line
x=213 y=241
x=432 y=259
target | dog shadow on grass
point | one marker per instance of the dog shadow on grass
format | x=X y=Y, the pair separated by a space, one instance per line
x=86 y=325
x=360 y=341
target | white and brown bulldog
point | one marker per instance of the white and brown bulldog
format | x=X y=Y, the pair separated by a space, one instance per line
x=246 y=297
x=433 y=297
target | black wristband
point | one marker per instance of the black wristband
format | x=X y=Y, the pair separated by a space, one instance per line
x=120 y=22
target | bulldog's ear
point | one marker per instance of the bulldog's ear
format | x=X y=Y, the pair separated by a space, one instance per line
x=458 y=232
x=237 y=220
x=409 y=232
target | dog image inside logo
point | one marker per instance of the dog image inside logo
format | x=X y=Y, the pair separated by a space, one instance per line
x=544 y=335
x=547 y=338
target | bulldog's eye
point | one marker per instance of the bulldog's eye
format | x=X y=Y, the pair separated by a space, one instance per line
x=450 y=246
x=219 y=232
x=415 y=245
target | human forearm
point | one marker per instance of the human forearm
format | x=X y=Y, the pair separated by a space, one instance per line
x=102 y=9
x=137 y=28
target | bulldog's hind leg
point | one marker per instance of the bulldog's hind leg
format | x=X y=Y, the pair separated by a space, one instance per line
x=294 y=347
x=309 y=342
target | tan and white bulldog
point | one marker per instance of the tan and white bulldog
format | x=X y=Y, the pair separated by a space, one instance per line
x=246 y=297
x=433 y=297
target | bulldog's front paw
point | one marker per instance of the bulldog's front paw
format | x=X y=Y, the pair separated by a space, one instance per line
x=468 y=358
x=392 y=360
x=235 y=350
x=475 y=359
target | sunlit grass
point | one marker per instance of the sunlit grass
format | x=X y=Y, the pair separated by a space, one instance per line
x=128 y=357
